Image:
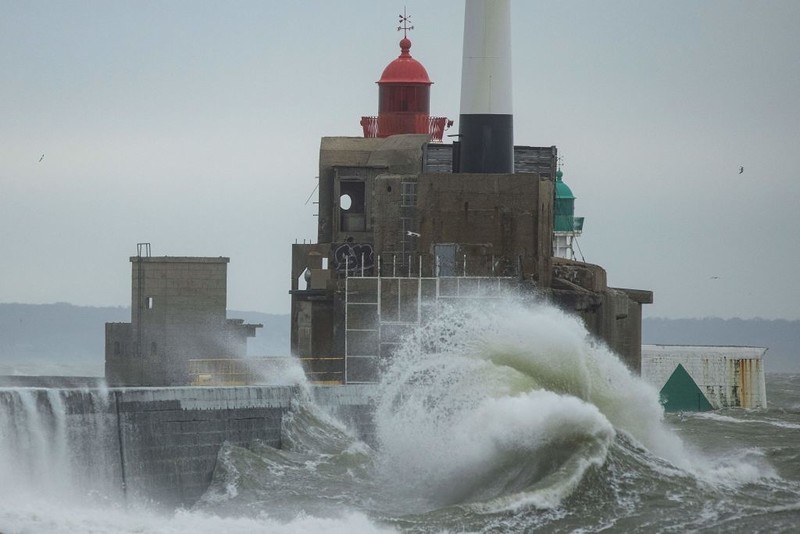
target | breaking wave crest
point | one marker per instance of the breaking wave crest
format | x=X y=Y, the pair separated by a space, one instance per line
x=502 y=415
x=504 y=405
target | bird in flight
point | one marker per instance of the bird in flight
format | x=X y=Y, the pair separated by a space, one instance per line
x=40 y=159
x=413 y=234
x=741 y=169
x=714 y=277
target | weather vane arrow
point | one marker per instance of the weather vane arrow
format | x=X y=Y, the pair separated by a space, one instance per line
x=404 y=23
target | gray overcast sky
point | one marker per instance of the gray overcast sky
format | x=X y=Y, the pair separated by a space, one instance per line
x=195 y=126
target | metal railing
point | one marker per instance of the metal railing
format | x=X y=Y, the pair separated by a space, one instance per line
x=415 y=265
x=263 y=371
x=386 y=125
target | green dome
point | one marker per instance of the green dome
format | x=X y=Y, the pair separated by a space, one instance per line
x=563 y=192
x=564 y=219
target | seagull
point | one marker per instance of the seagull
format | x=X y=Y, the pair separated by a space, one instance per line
x=741 y=169
x=413 y=234
x=40 y=159
x=713 y=277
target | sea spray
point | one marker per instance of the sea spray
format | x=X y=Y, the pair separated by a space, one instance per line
x=503 y=418
x=321 y=469
x=57 y=443
x=494 y=406
x=57 y=518
x=511 y=401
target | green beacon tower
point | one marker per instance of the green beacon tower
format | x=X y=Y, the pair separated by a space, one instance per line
x=566 y=227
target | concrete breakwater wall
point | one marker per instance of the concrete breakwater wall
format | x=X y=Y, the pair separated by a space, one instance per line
x=697 y=377
x=159 y=444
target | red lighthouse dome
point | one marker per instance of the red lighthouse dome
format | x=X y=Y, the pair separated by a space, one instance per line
x=404 y=97
x=405 y=69
x=404 y=86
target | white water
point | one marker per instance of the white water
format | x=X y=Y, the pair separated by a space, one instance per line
x=44 y=454
x=480 y=391
x=36 y=516
x=487 y=409
x=59 y=474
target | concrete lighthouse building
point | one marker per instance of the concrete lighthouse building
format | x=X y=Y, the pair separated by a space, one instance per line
x=407 y=223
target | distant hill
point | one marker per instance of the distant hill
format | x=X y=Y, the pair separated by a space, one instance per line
x=55 y=331
x=73 y=336
x=781 y=337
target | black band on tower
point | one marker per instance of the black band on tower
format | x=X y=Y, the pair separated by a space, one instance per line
x=487 y=143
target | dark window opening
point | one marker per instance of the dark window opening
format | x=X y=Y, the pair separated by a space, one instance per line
x=117 y=348
x=355 y=191
x=352 y=206
x=153 y=348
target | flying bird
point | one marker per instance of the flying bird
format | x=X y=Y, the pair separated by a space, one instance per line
x=714 y=277
x=741 y=169
x=413 y=234
x=40 y=159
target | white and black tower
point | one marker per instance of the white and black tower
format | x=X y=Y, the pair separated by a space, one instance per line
x=486 y=129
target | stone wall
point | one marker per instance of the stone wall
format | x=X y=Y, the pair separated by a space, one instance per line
x=612 y=314
x=508 y=218
x=158 y=444
x=169 y=438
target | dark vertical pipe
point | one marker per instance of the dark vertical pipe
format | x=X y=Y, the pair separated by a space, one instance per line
x=121 y=443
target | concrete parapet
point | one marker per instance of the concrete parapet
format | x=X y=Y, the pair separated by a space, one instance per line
x=161 y=444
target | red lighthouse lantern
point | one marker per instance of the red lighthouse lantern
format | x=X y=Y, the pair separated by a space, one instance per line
x=404 y=98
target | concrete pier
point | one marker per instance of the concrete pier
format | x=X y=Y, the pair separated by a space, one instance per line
x=161 y=444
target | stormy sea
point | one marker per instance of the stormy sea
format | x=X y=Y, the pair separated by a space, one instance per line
x=492 y=418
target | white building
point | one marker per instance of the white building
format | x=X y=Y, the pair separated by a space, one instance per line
x=727 y=377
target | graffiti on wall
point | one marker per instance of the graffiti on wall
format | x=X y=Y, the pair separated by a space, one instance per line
x=352 y=258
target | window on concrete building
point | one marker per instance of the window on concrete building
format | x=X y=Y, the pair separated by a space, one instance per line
x=352 y=206
x=352 y=193
x=148 y=303
x=408 y=194
x=117 y=348
x=153 y=348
